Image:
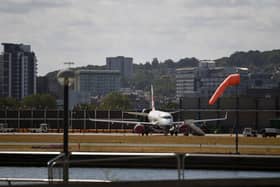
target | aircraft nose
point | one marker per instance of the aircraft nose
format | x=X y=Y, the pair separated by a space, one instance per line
x=169 y=122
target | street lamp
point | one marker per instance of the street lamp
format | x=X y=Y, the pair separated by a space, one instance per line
x=65 y=78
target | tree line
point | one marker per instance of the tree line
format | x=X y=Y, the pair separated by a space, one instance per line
x=112 y=101
x=36 y=101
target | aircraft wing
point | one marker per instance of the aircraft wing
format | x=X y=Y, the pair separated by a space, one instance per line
x=120 y=121
x=174 y=112
x=138 y=113
x=201 y=120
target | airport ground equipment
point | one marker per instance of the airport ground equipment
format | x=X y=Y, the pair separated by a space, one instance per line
x=270 y=132
x=4 y=128
x=249 y=132
x=43 y=129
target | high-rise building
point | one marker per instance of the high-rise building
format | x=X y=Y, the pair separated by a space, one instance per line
x=97 y=82
x=3 y=86
x=42 y=84
x=121 y=63
x=18 y=71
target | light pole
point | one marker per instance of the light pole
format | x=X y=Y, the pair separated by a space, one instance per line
x=236 y=121
x=235 y=80
x=65 y=78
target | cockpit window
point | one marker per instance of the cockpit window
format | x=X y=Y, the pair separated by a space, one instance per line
x=166 y=117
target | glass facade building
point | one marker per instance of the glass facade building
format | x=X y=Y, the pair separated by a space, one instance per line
x=97 y=82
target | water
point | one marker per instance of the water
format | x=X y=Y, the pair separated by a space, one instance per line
x=128 y=174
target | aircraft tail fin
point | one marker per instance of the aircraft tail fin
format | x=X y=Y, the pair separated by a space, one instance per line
x=152 y=98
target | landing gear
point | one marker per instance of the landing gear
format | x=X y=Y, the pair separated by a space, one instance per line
x=141 y=129
x=174 y=133
x=166 y=131
x=146 y=131
x=173 y=130
x=186 y=134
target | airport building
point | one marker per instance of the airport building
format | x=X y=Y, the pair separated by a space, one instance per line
x=18 y=71
x=122 y=64
x=97 y=82
x=203 y=80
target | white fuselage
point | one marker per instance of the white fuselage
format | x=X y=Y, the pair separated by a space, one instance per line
x=160 y=118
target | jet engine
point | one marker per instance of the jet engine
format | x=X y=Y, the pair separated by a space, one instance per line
x=144 y=110
x=184 y=128
x=139 y=128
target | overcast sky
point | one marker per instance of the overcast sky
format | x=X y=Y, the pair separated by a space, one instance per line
x=88 y=31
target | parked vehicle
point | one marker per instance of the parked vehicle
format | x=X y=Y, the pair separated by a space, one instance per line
x=270 y=132
x=4 y=128
x=249 y=132
x=43 y=128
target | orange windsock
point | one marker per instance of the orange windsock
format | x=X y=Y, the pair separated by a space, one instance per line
x=231 y=80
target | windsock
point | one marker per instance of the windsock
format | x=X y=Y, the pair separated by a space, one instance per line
x=231 y=80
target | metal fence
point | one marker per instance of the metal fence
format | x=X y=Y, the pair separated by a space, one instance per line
x=246 y=111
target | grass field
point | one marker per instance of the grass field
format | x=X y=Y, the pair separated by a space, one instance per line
x=135 y=143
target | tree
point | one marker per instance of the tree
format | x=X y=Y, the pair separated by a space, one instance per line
x=39 y=101
x=165 y=85
x=169 y=63
x=47 y=101
x=170 y=106
x=155 y=63
x=143 y=77
x=147 y=66
x=187 y=62
x=9 y=102
x=115 y=101
x=91 y=106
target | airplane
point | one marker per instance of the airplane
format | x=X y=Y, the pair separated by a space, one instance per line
x=158 y=119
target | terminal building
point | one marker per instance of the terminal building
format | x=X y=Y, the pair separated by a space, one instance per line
x=18 y=71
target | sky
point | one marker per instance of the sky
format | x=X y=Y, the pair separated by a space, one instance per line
x=87 y=31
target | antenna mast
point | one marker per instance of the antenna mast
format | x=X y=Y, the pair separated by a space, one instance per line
x=69 y=64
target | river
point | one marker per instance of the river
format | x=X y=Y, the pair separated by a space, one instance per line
x=128 y=174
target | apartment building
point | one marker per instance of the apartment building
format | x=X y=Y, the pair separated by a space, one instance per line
x=18 y=71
